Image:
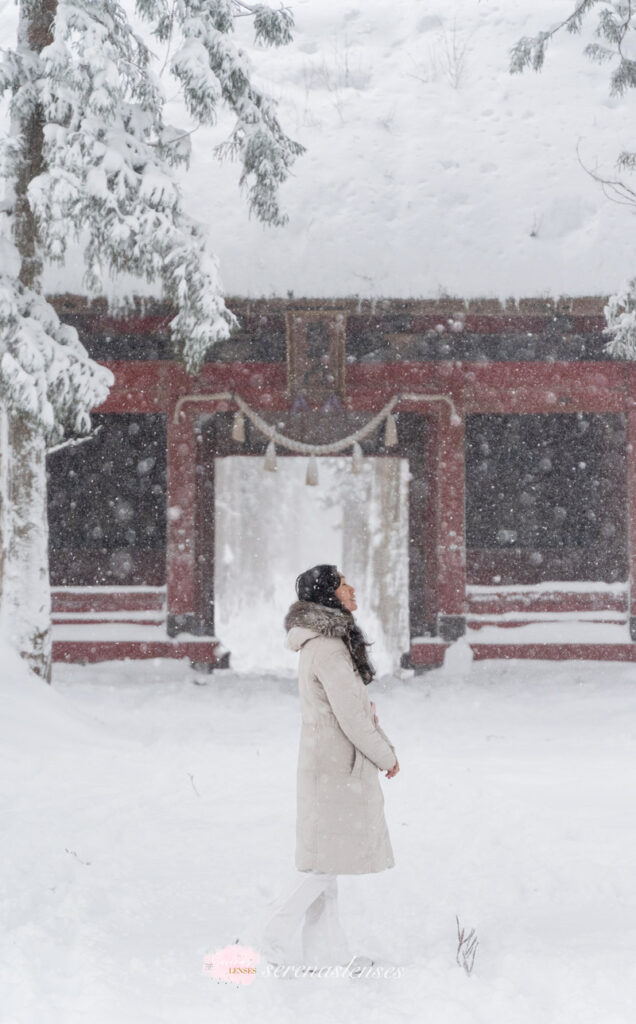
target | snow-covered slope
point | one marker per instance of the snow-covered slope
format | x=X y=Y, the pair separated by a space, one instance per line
x=429 y=168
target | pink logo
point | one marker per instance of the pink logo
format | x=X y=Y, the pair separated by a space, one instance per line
x=236 y=964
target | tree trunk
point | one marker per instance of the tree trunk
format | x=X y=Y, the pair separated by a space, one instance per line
x=4 y=506
x=26 y=600
x=28 y=595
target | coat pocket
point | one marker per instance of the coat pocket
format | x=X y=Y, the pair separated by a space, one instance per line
x=358 y=760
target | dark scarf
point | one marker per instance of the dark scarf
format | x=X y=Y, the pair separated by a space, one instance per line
x=334 y=622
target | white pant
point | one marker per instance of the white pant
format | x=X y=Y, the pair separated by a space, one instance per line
x=310 y=901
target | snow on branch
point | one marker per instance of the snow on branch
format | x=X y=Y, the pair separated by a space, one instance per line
x=46 y=374
x=109 y=157
x=213 y=70
x=108 y=178
x=529 y=51
x=615 y=22
x=620 y=314
x=273 y=27
x=73 y=442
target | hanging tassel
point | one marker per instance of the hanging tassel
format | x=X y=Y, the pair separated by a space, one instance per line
x=390 y=432
x=238 y=427
x=332 y=406
x=270 y=457
x=356 y=458
x=312 y=472
x=299 y=405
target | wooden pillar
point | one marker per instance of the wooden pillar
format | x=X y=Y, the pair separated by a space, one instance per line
x=631 y=516
x=181 y=487
x=451 y=526
x=431 y=524
x=206 y=445
x=414 y=442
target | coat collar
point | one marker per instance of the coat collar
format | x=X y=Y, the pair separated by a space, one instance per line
x=306 y=619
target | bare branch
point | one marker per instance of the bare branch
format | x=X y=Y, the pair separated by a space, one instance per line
x=74 y=441
x=169 y=37
x=613 y=189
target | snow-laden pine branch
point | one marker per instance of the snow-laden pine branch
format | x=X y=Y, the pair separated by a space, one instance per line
x=615 y=28
x=109 y=178
x=46 y=375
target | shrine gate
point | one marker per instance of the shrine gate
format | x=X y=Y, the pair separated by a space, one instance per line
x=520 y=433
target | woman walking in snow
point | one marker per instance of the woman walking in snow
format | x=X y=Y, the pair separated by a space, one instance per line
x=340 y=823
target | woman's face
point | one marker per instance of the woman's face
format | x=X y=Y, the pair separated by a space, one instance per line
x=346 y=595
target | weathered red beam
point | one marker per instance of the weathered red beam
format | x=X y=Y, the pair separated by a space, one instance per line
x=594 y=601
x=156 y=385
x=476 y=625
x=84 y=652
x=107 y=601
x=555 y=652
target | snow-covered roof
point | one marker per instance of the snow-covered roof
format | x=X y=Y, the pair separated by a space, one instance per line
x=430 y=169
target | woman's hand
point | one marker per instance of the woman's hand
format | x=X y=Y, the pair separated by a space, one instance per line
x=394 y=770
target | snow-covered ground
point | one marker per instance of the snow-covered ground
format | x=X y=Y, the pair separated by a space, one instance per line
x=147 y=820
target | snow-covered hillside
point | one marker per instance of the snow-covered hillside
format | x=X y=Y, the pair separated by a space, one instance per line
x=429 y=168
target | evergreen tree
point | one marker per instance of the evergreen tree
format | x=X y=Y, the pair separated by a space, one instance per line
x=90 y=157
x=615 y=26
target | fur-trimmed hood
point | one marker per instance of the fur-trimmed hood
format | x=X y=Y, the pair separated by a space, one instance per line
x=306 y=619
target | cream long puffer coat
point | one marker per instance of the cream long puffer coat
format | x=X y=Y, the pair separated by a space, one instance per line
x=340 y=823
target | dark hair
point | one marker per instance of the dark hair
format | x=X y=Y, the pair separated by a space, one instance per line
x=318 y=585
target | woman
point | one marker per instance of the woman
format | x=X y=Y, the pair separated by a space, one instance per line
x=340 y=823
